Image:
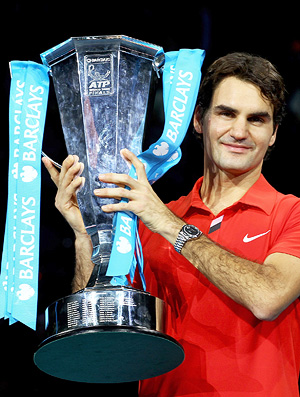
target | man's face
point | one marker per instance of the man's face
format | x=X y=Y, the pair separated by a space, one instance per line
x=237 y=129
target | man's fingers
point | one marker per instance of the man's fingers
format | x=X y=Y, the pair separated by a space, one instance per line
x=68 y=163
x=116 y=193
x=71 y=169
x=131 y=158
x=65 y=198
x=80 y=186
x=53 y=172
x=120 y=180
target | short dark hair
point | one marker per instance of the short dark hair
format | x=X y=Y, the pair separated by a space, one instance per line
x=249 y=68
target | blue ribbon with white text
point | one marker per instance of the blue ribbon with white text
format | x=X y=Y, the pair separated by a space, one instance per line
x=181 y=80
x=20 y=258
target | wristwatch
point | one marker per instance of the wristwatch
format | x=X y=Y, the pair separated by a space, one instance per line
x=187 y=232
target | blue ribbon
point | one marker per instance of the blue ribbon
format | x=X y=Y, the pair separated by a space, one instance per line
x=20 y=257
x=181 y=80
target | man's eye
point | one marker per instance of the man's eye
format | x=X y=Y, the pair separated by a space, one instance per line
x=226 y=114
x=256 y=120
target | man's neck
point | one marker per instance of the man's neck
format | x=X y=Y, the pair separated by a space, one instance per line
x=220 y=190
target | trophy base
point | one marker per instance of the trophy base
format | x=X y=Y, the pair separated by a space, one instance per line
x=107 y=335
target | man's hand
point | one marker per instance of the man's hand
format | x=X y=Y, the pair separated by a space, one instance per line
x=142 y=200
x=68 y=181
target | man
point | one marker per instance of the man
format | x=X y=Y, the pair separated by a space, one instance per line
x=233 y=284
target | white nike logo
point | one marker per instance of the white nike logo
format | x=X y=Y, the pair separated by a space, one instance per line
x=247 y=239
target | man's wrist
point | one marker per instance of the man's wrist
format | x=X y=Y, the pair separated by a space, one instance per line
x=83 y=240
x=172 y=229
x=186 y=233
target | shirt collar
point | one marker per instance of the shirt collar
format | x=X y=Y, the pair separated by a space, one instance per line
x=261 y=195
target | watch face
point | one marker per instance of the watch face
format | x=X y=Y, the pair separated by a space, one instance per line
x=191 y=230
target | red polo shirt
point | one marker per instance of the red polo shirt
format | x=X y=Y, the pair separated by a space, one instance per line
x=228 y=351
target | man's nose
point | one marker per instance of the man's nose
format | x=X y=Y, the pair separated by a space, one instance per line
x=239 y=129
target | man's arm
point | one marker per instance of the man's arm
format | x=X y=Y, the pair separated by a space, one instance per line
x=68 y=181
x=265 y=289
x=83 y=265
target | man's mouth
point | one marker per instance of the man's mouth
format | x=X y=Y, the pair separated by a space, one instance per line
x=236 y=148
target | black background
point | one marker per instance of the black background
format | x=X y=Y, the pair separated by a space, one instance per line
x=30 y=28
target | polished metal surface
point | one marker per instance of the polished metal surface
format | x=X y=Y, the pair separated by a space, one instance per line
x=105 y=307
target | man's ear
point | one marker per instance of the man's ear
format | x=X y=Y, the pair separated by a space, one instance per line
x=273 y=137
x=197 y=120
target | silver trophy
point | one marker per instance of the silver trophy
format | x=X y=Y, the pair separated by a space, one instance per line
x=104 y=333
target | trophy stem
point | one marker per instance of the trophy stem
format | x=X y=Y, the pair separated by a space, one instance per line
x=98 y=279
x=102 y=245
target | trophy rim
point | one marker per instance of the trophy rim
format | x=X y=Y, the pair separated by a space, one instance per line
x=68 y=47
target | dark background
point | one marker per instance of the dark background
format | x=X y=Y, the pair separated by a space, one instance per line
x=30 y=28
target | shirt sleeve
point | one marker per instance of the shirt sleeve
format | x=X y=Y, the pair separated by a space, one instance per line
x=287 y=227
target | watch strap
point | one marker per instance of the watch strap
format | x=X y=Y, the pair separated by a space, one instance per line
x=183 y=237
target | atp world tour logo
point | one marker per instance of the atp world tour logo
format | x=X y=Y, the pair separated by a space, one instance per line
x=98 y=74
